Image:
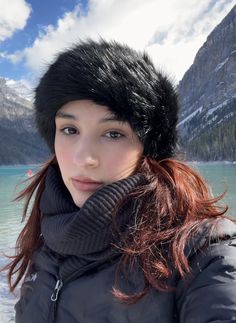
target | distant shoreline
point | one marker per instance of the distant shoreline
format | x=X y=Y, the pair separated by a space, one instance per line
x=194 y=162
x=216 y=162
x=21 y=165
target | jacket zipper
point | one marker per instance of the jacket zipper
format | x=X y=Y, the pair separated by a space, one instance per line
x=58 y=287
x=54 y=299
x=55 y=296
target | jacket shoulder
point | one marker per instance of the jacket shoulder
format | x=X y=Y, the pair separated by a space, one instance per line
x=212 y=281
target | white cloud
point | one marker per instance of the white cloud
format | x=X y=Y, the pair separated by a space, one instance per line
x=13 y=16
x=3 y=55
x=170 y=31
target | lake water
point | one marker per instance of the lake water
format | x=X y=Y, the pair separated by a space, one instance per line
x=220 y=176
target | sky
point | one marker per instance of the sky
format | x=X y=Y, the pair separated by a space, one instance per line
x=33 y=32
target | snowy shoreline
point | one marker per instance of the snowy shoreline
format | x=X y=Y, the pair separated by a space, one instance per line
x=216 y=162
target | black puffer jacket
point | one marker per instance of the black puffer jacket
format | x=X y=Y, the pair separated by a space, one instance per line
x=72 y=274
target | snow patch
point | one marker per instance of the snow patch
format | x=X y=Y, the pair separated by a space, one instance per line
x=190 y=116
x=210 y=111
x=219 y=66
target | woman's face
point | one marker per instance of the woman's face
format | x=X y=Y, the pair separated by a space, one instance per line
x=93 y=148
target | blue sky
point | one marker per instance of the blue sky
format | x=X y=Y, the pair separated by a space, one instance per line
x=41 y=14
x=33 y=32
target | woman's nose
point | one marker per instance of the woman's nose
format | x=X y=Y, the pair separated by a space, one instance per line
x=85 y=154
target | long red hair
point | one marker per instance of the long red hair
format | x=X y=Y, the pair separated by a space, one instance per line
x=175 y=202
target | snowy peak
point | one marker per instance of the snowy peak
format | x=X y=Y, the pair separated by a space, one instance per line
x=12 y=103
x=21 y=89
x=15 y=91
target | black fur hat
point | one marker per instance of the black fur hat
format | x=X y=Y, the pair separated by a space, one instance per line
x=119 y=77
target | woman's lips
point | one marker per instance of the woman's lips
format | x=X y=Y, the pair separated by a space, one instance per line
x=85 y=186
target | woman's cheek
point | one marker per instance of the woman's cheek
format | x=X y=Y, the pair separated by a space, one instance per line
x=119 y=165
x=64 y=154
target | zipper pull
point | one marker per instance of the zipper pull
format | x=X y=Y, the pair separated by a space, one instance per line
x=57 y=289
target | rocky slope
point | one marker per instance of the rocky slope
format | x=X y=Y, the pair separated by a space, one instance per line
x=208 y=97
x=19 y=141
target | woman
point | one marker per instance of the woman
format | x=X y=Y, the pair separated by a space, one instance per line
x=119 y=230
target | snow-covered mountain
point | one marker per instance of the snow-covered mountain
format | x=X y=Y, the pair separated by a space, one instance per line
x=10 y=91
x=208 y=96
x=21 y=89
x=19 y=140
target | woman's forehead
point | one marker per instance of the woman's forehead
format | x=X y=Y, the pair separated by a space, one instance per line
x=75 y=110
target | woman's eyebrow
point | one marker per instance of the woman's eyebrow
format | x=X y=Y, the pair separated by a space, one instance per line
x=64 y=115
x=110 y=118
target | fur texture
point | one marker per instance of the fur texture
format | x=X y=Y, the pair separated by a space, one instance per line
x=119 y=77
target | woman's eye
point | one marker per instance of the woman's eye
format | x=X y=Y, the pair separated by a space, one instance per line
x=68 y=131
x=114 y=135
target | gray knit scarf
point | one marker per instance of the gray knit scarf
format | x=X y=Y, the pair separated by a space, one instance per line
x=83 y=238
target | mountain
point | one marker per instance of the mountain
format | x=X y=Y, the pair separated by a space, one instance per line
x=20 y=88
x=19 y=141
x=207 y=94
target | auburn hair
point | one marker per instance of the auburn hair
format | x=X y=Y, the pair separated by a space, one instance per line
x=175 y=202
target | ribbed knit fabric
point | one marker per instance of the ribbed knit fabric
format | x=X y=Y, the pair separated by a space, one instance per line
x=83 y=236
